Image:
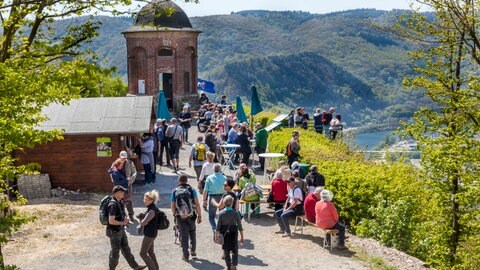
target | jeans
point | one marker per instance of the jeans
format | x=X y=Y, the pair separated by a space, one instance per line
x=148 y=173
x=119 y=241
x=164 y=148
x=230 y=250
x=326 y=129
x=185 y=133
x=282 y=218
x=187 y=231
x=148 y=254
x=212 y=210
x=341 y=233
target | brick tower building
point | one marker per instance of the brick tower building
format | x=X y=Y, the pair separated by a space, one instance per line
x=162 y=54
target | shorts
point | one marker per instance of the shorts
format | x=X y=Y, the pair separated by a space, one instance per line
x=174 y=147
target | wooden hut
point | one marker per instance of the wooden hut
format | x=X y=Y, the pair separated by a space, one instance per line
x=95 y=131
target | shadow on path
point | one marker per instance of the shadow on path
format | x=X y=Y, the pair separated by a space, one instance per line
x=205 y=264
x=250 y=260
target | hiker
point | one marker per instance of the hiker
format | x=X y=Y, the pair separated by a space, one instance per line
x=185 y=117
x=305 y=119
x=148 y=225
x=326 y=217
x=249 y=193
x=198 y=153
x=146 y=158
x=261 y=141
x=291 y=118
x=115 y=230
x=293 y=148
x=186 y=209
x=175 y=138
x=279 y=190
x=118 y=176
x=310 y=201
x=163 y=143
x=317 y=121
x=213 y=192
x=293 y=207
x=244 y=142
x=314 y=179
x=335 y=126
x=207 y=170
x=229 y=224
x=298 y=117
x=326 y=118
x=228 y=186
x=130 y=173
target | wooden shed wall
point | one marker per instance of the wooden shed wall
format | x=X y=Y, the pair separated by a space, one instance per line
x=72 y=163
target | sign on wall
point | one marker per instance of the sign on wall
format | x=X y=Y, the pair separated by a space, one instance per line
x=104 y=147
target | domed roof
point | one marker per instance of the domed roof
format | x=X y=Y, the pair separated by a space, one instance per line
x=158 y=13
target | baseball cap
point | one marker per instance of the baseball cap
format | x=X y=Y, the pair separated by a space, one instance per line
x=123 y=154
x=118 y=188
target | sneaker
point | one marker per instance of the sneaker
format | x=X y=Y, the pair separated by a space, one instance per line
x=280 y=232
x=233 y=267
x=140 y=267
x=193 y=253
x=286 y=234
x=185 y=258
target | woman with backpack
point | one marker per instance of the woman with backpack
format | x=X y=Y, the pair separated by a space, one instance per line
x=148 y=225
x=249 y=192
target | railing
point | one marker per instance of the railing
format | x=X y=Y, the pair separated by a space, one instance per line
x=392 y=154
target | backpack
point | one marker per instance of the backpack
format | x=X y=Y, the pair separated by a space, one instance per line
x=288 y=150
x=183 y=201
x=298 y=118
x=162 y=221
x=103 y=209
x=160 y=134
x=200 y=151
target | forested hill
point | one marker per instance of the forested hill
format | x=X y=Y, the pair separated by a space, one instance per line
x=339 y=59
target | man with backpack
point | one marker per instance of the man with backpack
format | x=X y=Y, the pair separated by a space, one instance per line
x=130 y=172
x=293 y=148
x=186 y=209
x=198 y=153
x=117 y=219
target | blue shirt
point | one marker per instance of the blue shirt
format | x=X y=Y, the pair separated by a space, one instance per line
x=194 y=195
x=214 y=184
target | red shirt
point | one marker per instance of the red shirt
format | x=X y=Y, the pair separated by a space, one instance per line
x=326 y=215
x=309 y=206
x=279 y=190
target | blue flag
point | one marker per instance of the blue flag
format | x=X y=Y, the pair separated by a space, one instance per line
x=205 y=86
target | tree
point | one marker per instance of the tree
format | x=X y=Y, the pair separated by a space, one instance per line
x=38 y=68
x=447 y=64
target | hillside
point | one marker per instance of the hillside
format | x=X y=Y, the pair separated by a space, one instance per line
x=340 y=59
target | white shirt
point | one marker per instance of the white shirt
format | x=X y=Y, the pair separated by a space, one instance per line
x=207 y=170
x=294 y=193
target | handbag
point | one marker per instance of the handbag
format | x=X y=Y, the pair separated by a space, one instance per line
x=270 y=197
x=221 y=236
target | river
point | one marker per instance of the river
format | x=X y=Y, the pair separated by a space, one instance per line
x=370 y=139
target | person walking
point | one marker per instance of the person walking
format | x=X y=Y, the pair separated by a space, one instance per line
x=198 y=154
x=229 y=224
x=207 y=170
x=185 y=118
x=118 y=176
x=163 y=143
x=146 y=158
x=148 y=225
x=115 y=230
x=174 y=134
x=186 y=209
x=213 y=192
x=130 y=173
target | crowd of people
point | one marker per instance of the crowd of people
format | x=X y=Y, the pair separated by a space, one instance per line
x=291 y=193
x=326 y=122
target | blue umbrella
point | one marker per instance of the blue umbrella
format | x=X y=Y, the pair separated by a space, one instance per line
x=162 y=109
x=256 y=106
x=240 y=112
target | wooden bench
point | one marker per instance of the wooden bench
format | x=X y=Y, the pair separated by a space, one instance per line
x=243 y=206
x=332 y=232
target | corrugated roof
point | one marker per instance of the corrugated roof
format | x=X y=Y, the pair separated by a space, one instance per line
x=100 y=115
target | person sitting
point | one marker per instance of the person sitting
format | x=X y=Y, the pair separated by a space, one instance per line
x=249 y=192
x=314 y=179
x=299 y=181
x=279 y=190
x=326 y=216
x=293 y=207
x=310 y=202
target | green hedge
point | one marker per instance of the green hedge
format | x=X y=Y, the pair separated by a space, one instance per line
x=387 y=201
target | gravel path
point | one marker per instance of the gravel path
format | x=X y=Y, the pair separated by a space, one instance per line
x=68 y=235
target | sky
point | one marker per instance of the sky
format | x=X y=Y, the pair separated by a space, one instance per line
x=216 y=7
